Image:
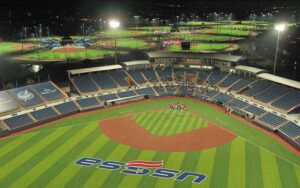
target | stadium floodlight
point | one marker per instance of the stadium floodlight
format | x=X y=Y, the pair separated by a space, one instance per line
x=114 y=24
x=279 y=28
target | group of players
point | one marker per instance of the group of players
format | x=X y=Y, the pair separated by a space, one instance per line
x=177 y=106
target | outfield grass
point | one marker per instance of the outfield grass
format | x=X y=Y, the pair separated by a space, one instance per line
x=225 y=31
x=45 y=157
x=241 y=27
x=122 y=33
x=124 y=43
x=200 y=47
x=202 y=37
x=6 y=47
x=49 y=55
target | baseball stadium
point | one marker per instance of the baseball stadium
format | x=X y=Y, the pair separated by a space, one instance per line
x=148 y=104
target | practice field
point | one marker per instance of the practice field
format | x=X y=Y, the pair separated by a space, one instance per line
x=226 y=31
x=241 y=27
x=67 y=53
x=124 y=43
x=200 y=47
x=50 y=155
x=202 y=37
x=6 y=47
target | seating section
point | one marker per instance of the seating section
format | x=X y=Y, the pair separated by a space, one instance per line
x=254 y=110
x=192 y=72
x=126 y=94
x=150 y=75
x=104 y=81
x=232 y=78
x=222 y=97
x=88 y=102
x=171 y=89
x=137 y=76
x=287 y=101
x=44 y=114
x=186 y=90
x=272 y=119
x=48 y=91
x=164 y=74
x=208 y=93
x=108 y=97
x=236 y=103
x=26 y=97
x=257 y=87
x=243 y=82
x=85 y=84
x=145 y=91
x=290 y=129
x=203 y=75
x=119 y=77
x=216 y=77
x=271 y=93
x=7 y=103
x=67 y=107
x=160 y=90
x=18 y=121
x=178 y=74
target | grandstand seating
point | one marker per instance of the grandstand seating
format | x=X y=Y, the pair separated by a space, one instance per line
x=191 y=72
x=254 y=110
x=290 y=129
x=257 y=87
x=150 y=75
x=243 y=82
x=222 y=97
x=108 y=97
x=119 y=77
x=85 y=84
x=203 y=74
x=207 y=93
x=26 y=97
x=124 y=94
x=186 y=90
x=287 y=101
x=18 y=121
x=67 y=107
x=178 y=74
x=236 y=103
x=271 y=93
x=44 y=114
x=88 y=102
x=48 y=91
x=145 y=91
x=104 y=81
x=171 y=89
x=272 y=119
x=164 y=74
x=232 y=78
x=160 y=90
x=216 y=77
x=137 y=76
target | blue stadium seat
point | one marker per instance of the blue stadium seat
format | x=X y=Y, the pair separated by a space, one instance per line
x=137 y=76
x=67 y=107
x=271 y=93
x=150 y=75
x=160 y=90
x=25 y=96
x=85 y=84
x=272 y=119
x=186 y=90
x=179 y=74
x=203 y=74
x=287 y=101
x=88 y=102
x=291 y=129
x=18 y=121
x=44 y=114
x=236 y=103
x=126 y=94
x=243 y=82
x=104 y=81
x=222 y=97
x=232 y=78
x=119 y=77
x=254 y=110
x=171 y=89
x=48 y=91
x=216 y=77
x=257 y=87
x=108 y=97
x=164 y=74
x=145 y=91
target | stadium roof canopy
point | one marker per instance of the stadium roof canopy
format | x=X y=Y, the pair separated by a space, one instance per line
x=138 y=62
x=249 y=69
x=94 y=69
x=280 y=80
x=221 y=57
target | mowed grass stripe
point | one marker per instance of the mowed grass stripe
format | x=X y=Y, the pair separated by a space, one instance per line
x=64 y=161
x=270 y=174
x=205 y=165
x=99 y=175
x=133 y=181
x=146 y=118
x=152 y=122
x=177 y=123
x=71 y=170
x=148 y=181
x=297 y=171
x=182 y=125
x=115 y=180
x=47 y=162
x=175 y=162
x=138 y=118
x=22 y=169
x=237 y=165
x=84 y=173
x=160 y=123
x=32 y=146
x=221 y=165
x=287 y=173
x=189 y=163
x=253 y=166
x=12 y=144
x=172 y=123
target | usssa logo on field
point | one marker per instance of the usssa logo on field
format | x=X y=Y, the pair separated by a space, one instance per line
x=141 y=168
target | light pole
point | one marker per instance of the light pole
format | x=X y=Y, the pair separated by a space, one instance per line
x=113 y=24
x=279 y=28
